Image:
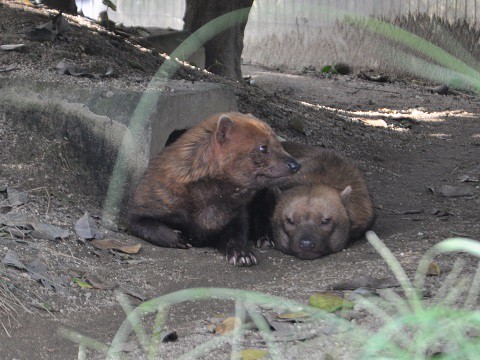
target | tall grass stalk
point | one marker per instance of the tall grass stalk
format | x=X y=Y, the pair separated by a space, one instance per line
x=468 y=246
x=250 y=301
x=412 y=334
x=404 y=37
x=264 y=329
x=396 y=268
x=259 y=299
x=410 y=329
x=474 y=291
x=238 y=332
x=135 y=322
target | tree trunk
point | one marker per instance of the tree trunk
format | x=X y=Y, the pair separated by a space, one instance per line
x=222 y=52
x=66 y=6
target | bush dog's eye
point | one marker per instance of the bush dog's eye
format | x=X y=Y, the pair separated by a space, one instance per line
x=263 y=149
x=290 y=221
x=326 y=221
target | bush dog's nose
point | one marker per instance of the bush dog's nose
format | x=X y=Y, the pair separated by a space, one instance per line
x=306 y=244
x=294 y=166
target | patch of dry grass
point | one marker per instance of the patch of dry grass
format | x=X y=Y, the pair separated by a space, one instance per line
x=9 y=304
x=363 y=49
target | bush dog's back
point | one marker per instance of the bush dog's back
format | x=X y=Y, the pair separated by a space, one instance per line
x=195 y=192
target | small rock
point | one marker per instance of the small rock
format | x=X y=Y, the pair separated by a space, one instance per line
x=12 y=47
x=298 y=124
x=455 y=191
x=440 y=89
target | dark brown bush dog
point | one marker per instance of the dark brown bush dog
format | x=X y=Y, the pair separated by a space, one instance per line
x=320 y=209
x=195 y=192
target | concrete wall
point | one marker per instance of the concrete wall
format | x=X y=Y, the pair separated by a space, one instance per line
x=285 y=15
x=298 y=33
x=110 y=133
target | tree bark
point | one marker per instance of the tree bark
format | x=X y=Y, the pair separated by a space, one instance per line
x=66 y=6
x=222 y=52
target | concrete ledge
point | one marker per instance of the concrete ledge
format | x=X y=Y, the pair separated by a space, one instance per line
x=96 y=123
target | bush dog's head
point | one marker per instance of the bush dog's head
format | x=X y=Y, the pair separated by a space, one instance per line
x=249 y=151
x=232 y=146
x=311 y=221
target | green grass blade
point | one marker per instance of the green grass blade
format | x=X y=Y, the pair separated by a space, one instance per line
x=474 y=290
x=395 y=266
x=468 y=246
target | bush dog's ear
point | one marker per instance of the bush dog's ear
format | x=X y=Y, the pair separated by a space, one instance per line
x=224 y=129
x=345 y=194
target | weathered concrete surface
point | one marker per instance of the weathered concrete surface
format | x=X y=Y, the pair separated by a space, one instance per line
x=97 y=123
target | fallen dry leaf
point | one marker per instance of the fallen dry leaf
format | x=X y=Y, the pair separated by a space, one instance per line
x=298 y=316
x=15 y=197
x=409 y=212
x=252 y=354
x=43 y=306
x=329 y=302
x=97 y=283
x=86 y=228
x=468 y=178
x=114 y=244
x=365 y=282
x=64 y=68
x=81 y=283
x=39 y=271
x=14 y=232
x=441 y=212
x=228 y=326
x=11 y=259
x=48 y=232
x=129 y=290
x=433 y=269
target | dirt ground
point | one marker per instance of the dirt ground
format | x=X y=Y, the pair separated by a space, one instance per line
x=409 y=141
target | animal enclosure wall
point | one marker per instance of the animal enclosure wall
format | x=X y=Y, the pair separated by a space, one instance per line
x=300 y=33
x=297 y=33
x=274 y=16
x=283 y=14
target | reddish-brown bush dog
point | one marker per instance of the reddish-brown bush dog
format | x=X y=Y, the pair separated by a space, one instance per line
x=195 y=192
x=323 y=207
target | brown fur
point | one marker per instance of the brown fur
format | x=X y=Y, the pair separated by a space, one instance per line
x=196 y=190
x=323 y=207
